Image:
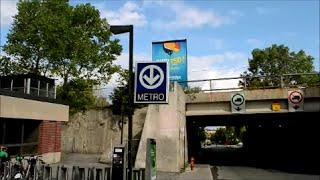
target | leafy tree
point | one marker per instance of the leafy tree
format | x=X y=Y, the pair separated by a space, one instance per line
x=275 y=61
x=219 y=137
x=7 y=66
x=120 y=95
x=202 y=134
x=78 y=94
x=53 y=38
x=231 y=135
x=225 y=135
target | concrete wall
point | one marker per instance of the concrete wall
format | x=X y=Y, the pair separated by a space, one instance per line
x=97 y=132
x=19 y=108
x=167 y=124
x=257 y=101
x=52 y=157
x=149 y=131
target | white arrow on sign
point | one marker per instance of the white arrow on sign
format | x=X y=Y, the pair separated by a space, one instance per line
x=151 y=79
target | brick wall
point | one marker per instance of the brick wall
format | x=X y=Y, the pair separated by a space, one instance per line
x=49 y=137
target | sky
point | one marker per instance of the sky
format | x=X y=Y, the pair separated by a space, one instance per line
x=220 y=34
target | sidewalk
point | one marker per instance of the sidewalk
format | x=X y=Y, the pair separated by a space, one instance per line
x=201 y=172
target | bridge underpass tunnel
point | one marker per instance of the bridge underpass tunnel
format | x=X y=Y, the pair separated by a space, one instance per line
x=274 y=140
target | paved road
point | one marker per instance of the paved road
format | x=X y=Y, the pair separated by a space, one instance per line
x=249 y=173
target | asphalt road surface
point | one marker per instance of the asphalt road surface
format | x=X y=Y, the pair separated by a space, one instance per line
x=251 y=173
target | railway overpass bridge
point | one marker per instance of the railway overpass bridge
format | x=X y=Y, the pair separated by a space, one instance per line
x=174 y=126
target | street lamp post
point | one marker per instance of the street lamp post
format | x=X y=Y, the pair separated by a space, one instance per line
x=119 y=30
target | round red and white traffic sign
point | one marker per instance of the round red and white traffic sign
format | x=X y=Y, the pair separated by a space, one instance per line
x=295 y=97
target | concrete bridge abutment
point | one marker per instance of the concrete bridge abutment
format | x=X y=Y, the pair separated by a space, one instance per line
x=167 y=125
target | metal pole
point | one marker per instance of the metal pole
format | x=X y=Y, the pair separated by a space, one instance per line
x=130 y=103
x=122 y=116
x=3 y=132
x=22 y=136
x=121 y=137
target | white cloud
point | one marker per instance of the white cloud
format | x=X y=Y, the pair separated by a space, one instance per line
x=205 y=67
x=7 y=10
x=123 y=59
x=190 y=17
x=254 y=42
x=129 y=13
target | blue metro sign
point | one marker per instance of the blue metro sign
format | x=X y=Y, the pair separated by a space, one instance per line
x=151 y=83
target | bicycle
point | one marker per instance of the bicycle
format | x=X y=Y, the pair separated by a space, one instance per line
x=5 y=170
x=34 y=169
x=17 y=170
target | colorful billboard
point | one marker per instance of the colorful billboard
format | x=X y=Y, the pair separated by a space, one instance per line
x=174 y=52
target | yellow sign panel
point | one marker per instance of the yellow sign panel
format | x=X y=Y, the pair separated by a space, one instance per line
x=276 y=106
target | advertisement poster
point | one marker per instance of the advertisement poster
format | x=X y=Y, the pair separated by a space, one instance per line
x=174 y=52
x=153 y=160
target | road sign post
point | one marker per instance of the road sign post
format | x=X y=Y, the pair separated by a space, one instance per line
x=151 y=83
x=238 y=103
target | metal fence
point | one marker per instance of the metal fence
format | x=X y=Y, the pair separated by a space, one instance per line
x=63 y=172
x=255 y=82
x=237 y=83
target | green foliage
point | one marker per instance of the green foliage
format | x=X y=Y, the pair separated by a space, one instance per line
x=275 y=61
x=7 y=67
x=51 y=37
x=78 y=94
x=202 y=134
x=120 y=96
x=192 y=91
x=219 y=137
x=228 y=135
x=231 y=135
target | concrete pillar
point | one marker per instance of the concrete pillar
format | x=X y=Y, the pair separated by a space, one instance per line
x=166 y=124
